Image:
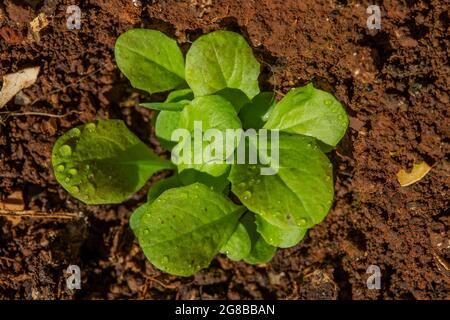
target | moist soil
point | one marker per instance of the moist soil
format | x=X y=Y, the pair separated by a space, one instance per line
x=394 y=83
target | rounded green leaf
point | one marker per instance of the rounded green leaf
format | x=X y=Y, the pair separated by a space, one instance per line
x=278 y=236
x=214 y=112
x=298 y=195
x=261 y=251
x=310 y=112
x=135 y=219
x=210 y=112
x=254 y=114
x=184 y=228
x=103 y=162
x=219 y=60
x=162 y=185
x=166 y=123
x=150 y=60
x=247 y=244
x=235 y=96
x=239 y=245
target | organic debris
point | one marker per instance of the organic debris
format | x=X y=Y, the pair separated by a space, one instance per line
x=38 y=23
x=417 y=173
x=14 y=82
x=14 y=202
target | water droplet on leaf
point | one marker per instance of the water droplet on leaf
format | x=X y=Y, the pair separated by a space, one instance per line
x=65 y=151
x=60 y=168
x=90 y=127
x=247 y=194
x=76 y=132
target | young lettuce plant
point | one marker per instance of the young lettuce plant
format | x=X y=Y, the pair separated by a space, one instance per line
x=194 y=215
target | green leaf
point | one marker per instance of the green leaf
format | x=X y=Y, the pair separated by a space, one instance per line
x=103 y=162
x=239 y=245
x=166 y=123
x=135 y=219
x=161 y=186
x=150 y=60
x=213 y=112
x=311 y=112
x=277 y=236
x=261 y=251
x=185 y=227
x=235 y=96
x=298 y=195
x=219 y=60
x=169 y=106
x=180 y=95
x=214 y=176
x=176 y=101
x=247 y=244
x=154 y=192
x=255 y=114
x=211 y=174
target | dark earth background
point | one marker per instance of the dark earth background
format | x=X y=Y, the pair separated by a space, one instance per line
x=394 y=83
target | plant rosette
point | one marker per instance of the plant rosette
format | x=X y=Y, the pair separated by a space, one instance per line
x=194 y=215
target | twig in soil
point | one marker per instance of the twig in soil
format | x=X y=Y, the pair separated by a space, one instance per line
x=441 y=261
x=9 y=114
x=39 y=215
x=167 y=286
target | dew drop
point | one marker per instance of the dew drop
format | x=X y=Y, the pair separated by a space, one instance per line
x=242 y=185
x=247 y=194
x=76 y=132
x=65 y=150
x=73 y=171
x=75 y=189
x=301 y=222
x=90 y=127
x=184 y=195
x=60 y=168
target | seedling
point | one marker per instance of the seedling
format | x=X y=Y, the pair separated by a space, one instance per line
x=212 y=207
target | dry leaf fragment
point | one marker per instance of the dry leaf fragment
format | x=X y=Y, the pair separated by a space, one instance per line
x=417 y=173
x=38 y=23
x=14 y=202
x=14 y=82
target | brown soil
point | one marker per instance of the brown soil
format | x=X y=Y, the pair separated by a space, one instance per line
x=394 y=82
